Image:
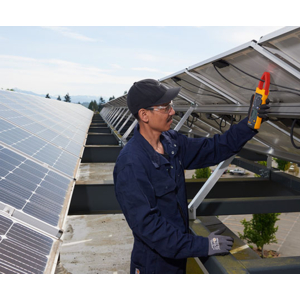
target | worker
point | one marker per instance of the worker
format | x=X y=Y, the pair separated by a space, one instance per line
x=150 y=184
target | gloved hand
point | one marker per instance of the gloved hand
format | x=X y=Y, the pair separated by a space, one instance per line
x=263 y=109
x=219 y=244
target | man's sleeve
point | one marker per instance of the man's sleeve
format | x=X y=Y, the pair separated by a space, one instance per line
x=136 y=197
x=203 y=152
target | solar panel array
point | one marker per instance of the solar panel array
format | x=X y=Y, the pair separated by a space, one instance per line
x=220 y=95
x=41 y=144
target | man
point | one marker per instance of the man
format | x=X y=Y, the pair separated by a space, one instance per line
x=150 y=184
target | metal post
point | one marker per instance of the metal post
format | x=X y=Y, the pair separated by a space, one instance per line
x=116 y=121
x=112 y=113
x=209 y=184
x=122 y=118
x=184 y=118
x=118 y=112
x=107 y=113
x=128 y=118
x=126 y=134
x=269 y=162
x=275 y=59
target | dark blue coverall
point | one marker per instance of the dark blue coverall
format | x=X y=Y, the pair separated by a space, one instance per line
x=152 y=195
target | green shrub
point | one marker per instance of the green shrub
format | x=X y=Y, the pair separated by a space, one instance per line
x=260 y=230
x=202 y=173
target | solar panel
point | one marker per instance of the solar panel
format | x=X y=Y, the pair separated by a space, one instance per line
x=215 y=90
x=37 y=148
x=31 y=188
x=41 y=142
x=22 y=249
x=43 y=128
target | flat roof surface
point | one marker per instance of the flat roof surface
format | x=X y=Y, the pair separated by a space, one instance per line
x=102 y=244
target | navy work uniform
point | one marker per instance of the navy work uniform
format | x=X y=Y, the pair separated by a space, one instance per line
x=150 y=189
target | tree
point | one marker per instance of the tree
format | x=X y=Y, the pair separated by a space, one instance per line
x=125 y=92
x=93 y=105
x=282 y=164
x=202 y=173
x=101 y=102
x=58 y=98
x=260 y=230
x=111 y=98
x=67 y=98
x=47 y=96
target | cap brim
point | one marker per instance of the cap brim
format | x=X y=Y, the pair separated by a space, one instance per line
x=169 y=95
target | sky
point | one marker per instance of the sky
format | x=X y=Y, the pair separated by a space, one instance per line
x=104 y=60
x=102 y=50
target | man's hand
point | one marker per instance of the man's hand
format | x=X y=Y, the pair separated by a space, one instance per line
x=263 y=109
x=218 y=244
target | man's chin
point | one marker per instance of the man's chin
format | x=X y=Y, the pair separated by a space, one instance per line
x=169 y=125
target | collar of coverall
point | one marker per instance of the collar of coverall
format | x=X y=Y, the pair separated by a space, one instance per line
x=156 y=158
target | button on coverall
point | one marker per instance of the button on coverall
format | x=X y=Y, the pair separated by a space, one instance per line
x=152 y=194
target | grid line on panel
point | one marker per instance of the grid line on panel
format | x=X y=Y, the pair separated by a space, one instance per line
x=29 y=195
x=34 y=120
x=46 y=152
x=19 y=258
x=7 y=269
x=41 y=213
x=34 y=136
x=30 y=238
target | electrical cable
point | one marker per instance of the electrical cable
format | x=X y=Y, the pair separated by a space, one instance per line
x=292 y=134
x=214 y=94
x=231 y=81
x=195 y=116
x=285 y=87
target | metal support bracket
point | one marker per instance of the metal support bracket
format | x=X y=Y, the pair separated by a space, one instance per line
x=124 y=123
x=126 y=134
x=275 y=59
x=209 y=184
x=184 y=118
x=121 y=119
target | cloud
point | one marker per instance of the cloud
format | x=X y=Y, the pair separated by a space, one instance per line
x=56 y=76
x=71 y=34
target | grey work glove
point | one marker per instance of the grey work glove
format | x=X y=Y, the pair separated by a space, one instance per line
x=263 y=109
x=219 y=244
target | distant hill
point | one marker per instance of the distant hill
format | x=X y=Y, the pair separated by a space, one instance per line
x=86 y=104
x=83 y=99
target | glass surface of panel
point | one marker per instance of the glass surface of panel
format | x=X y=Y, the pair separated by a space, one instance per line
x=22 y=249
x=32 y=188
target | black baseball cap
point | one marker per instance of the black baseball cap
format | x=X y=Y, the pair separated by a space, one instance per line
x=149 y=92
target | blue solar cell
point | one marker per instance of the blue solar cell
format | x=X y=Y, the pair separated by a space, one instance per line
x=12 y=199
x=30 y=238
x=41 y=213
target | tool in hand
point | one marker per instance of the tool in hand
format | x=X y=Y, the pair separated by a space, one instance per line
x=260 y=98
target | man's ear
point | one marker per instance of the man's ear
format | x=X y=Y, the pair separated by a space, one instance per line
x=143 y=115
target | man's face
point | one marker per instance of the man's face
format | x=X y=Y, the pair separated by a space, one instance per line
x=161 y=117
